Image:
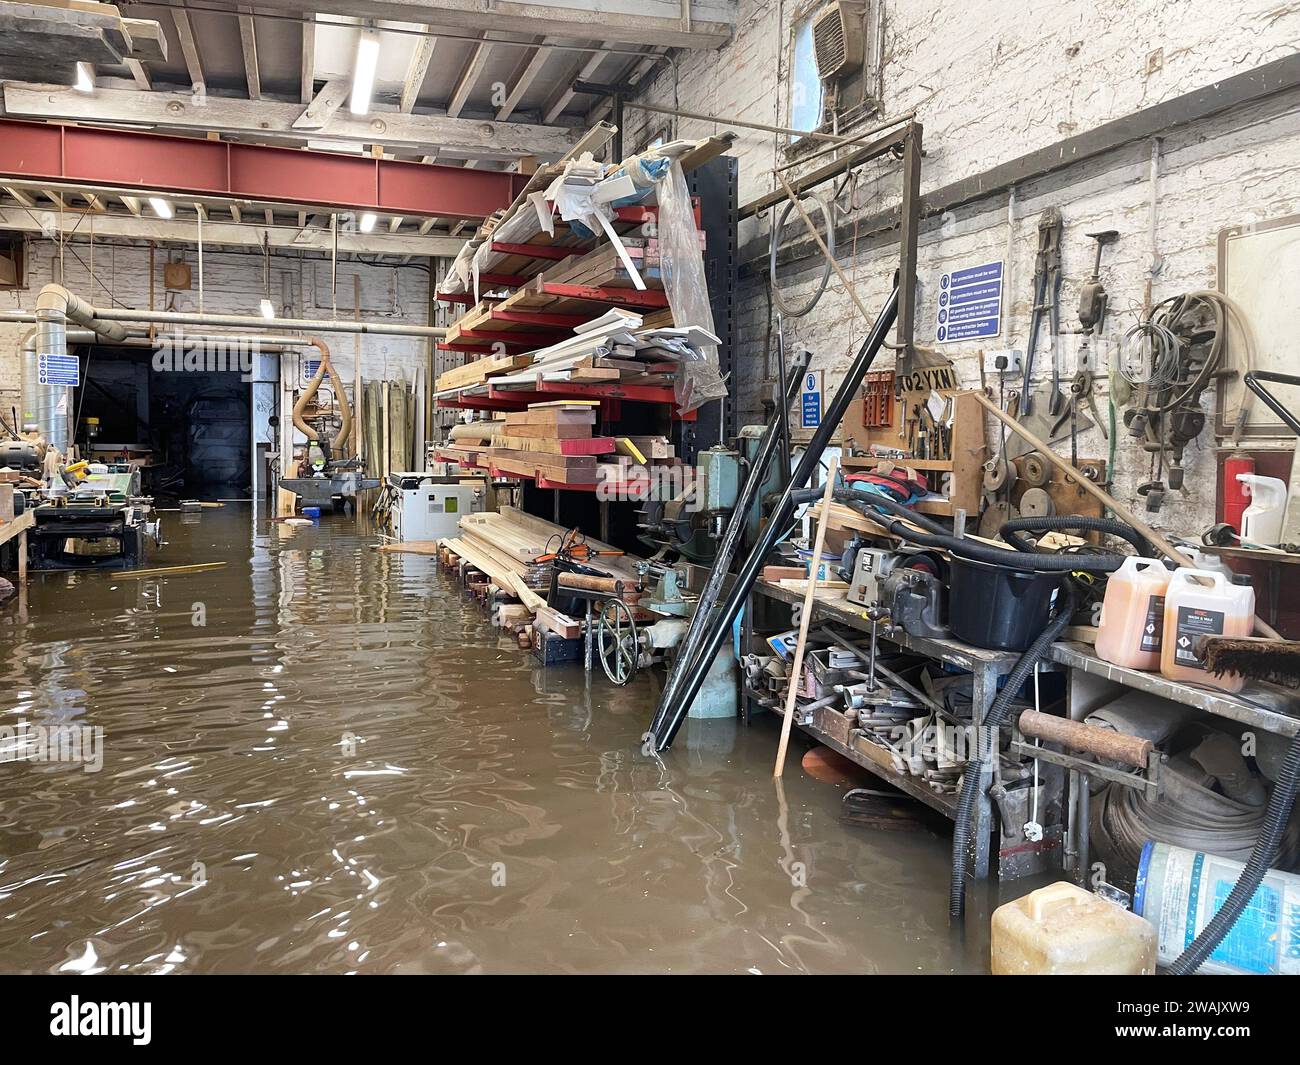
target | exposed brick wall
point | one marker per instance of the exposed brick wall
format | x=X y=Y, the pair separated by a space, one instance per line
x=233 y=284
x=993 y=81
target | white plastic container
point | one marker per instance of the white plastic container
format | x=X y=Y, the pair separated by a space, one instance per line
x=1198 y=603
x=1133 y=614
x=1179 y=890
x=1062 y=930
x=1261 y=522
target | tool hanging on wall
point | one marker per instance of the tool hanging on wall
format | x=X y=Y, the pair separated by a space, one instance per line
x=1180 y=353
x=1047 y=291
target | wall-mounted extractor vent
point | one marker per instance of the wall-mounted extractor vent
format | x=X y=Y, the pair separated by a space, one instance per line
x=838 y=40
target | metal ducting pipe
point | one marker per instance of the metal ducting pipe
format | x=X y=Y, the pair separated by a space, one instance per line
x=251 y=321
x=108 y=323
x=48 y=406
x=55 y=306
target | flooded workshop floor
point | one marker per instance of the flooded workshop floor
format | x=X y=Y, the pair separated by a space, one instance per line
x=321 y=758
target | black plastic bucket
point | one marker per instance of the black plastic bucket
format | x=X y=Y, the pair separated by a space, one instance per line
x=1002 y=609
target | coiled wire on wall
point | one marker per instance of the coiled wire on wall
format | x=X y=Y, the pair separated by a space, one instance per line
x=774 y=245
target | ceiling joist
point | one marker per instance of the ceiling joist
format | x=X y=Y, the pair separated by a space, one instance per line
x=658 y=22
x=464 y=138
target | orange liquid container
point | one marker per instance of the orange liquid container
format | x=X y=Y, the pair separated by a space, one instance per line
x=1198 y=603
x=1132 y=614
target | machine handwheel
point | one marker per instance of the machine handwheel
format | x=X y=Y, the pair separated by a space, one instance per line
x=618 y=642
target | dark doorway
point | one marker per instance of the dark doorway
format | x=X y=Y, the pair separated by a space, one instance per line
x=189 y=428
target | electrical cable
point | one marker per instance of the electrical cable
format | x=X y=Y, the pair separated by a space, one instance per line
x=972 y=776
x=774 y=244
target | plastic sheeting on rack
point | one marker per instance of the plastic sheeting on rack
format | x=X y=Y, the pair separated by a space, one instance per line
x=682 y=268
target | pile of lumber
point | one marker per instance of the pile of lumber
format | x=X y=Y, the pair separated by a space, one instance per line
x=602 y=268
x=469 y=442
x=506 y=546
x=479 y=370
x=552 y=441
x=613 y=347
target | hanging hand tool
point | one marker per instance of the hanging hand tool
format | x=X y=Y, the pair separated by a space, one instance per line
x=1093 y=298
x=1047 y=289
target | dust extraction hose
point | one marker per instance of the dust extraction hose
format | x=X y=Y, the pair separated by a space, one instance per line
x=1261 y=859
x=1076 y=523
x=973 y=775
x=968 y=547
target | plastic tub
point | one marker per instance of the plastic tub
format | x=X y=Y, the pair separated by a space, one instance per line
x=1002 y=609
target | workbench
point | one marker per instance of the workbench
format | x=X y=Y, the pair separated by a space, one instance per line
x=987 y=668
x=1092 y=682
x=18 y=527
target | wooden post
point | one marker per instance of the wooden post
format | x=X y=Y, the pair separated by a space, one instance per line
x=796 y=664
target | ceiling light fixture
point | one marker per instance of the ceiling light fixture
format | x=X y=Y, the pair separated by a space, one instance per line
x=363 y=76
x=161 y=207
x=85 y=78
x=368 y=221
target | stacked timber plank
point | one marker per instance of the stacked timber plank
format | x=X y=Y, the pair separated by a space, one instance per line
x=479 y=370
x=550 y=441
x=612 y=348
x=470 y=442
x=507 y=547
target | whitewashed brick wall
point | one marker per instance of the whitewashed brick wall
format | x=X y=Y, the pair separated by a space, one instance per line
x=992 y=81
x=233 y=284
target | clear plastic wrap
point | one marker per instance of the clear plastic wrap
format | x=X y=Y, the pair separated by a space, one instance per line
x=682 y=268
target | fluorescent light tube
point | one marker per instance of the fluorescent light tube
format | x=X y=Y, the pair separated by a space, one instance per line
x=363 y=76
x=161 y=207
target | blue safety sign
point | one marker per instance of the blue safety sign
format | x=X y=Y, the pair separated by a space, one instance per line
x=810 y=396
x=59 y=370
x=970 y=304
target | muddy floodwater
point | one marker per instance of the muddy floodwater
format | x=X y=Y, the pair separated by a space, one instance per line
x=321 y=758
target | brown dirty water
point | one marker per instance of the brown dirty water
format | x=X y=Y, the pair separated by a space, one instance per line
x=346 y=768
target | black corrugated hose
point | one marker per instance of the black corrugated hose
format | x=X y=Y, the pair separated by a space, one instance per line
x=1023 y=558
x=1261 y=860
x=970 y=781
x=1076 y=523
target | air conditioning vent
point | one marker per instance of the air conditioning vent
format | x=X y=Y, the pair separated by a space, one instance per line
x=838 y=41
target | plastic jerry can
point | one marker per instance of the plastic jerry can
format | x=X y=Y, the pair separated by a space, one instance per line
x=1200 y=602
x=1062 y=930
x=1133 y=614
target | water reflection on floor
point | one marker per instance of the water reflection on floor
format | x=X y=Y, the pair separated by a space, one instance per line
x=345 y=768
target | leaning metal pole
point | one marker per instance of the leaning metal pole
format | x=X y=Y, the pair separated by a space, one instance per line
x=670 y=715
x=746 y=500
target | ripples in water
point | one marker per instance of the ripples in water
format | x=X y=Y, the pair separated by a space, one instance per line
x=345 y=768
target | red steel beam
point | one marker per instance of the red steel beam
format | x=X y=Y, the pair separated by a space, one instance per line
x=149 y=161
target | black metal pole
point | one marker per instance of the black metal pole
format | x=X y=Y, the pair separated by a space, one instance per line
x=670 y=715
x=727 y=546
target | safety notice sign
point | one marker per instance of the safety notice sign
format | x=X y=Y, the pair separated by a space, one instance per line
x=810 y=400
x=970 y=304
x=59 y=370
